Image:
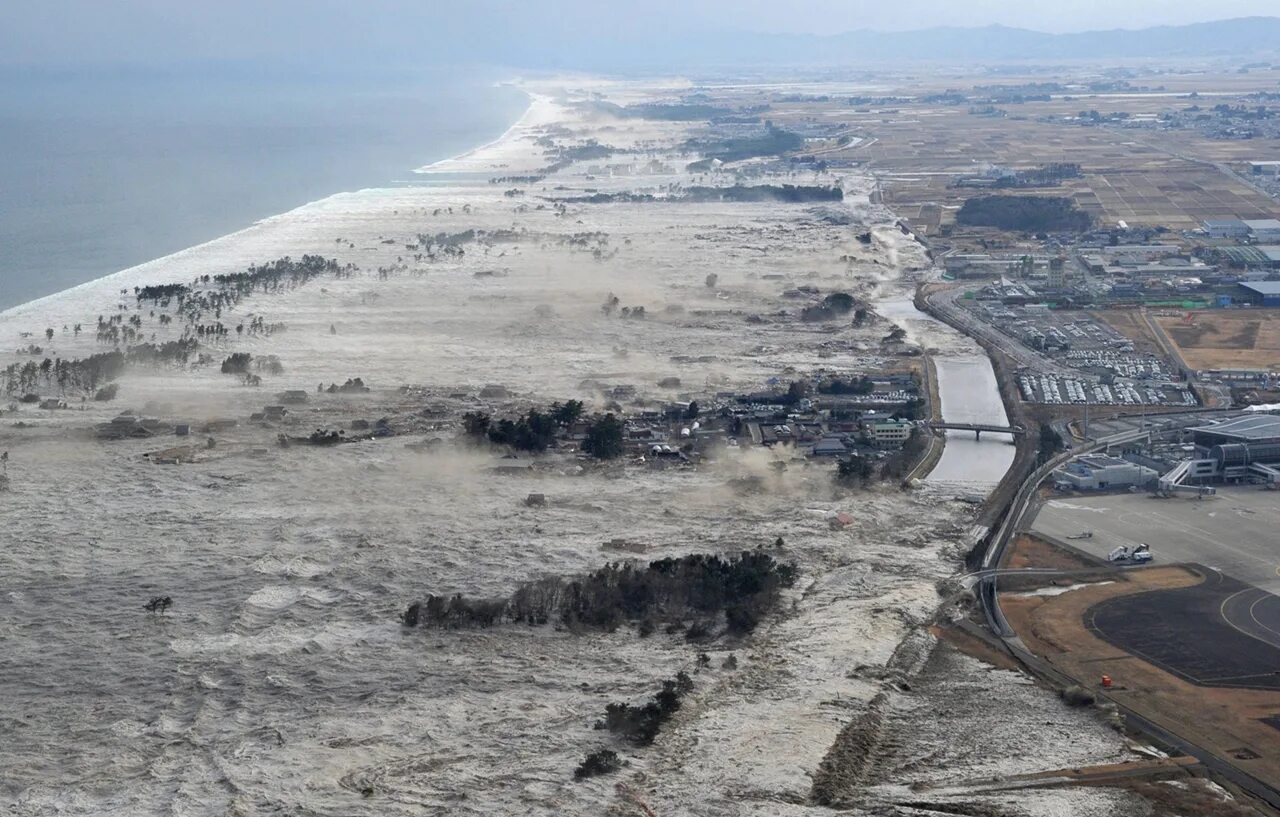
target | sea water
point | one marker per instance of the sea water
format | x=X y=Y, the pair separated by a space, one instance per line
x=104 y=172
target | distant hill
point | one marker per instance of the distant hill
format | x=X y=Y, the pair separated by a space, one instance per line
x=1245 y=35
x=1242 y=37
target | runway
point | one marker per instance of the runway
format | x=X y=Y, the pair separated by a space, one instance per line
x=1221 y=632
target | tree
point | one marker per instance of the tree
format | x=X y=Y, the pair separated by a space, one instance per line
x=475 y=423
x=895 y=335
x=1050 y=443
x=237 y=363
x=711 y=280
x=566 y=414
x=604 y=761
x=691 y=413
x=911 y=410
x=48 y=333
x=535 y=431
x=840 y=302
x=604 y=438
x=795 y=393
x=855 y=470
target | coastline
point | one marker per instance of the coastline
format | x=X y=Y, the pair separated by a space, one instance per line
x=482 y=143
x=525 y=120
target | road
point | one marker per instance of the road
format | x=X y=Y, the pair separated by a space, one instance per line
x=945 y=302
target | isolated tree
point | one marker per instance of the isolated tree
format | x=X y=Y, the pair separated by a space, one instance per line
x=604 y=438
x=603 y=761
x=566 y=414
x=475 y=423
x=1050 y=443
x=795 y=392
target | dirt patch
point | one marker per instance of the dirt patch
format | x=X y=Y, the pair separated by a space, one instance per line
x=1129 y=323
x=976 y=647
x=1032 y=551
x=1191 y=798
x=1221 y=339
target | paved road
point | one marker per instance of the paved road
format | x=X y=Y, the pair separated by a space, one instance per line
x=945 y=302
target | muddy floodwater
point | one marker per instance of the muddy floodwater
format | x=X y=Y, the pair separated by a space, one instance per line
x=968 y=392
x=283 y=679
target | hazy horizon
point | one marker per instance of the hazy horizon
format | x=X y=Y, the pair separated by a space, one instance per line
x=70 y=34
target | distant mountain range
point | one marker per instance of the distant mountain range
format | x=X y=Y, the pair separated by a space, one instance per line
x=1245 y=35
x=1241 y=37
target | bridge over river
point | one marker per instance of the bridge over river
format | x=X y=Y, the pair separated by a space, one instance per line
x=977 y=428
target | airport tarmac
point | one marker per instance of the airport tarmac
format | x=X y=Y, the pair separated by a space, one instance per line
x=1237 y=531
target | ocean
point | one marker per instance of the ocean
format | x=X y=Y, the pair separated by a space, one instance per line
x=104 y=172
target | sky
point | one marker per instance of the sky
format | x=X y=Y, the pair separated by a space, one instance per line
x=53 y=33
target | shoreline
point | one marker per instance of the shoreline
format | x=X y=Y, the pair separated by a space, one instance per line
x=505 y=136
x=16 y=309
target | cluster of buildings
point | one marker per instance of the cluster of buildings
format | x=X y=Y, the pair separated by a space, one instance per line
x=1202 y=267
x=829 y=423
x=1261 y=231
x=820 y=436
x=1111 y=372
x=1240 y=449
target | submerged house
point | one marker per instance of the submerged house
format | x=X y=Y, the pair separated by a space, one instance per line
x=830 y=446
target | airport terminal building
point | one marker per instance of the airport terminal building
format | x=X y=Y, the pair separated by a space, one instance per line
x=1238 y=449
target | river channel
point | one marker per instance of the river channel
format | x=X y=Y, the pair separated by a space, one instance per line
x=969 y=393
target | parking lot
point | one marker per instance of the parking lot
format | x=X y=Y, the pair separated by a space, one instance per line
x=1053 y=332
x=1234 y=532
x=1058 y=389
x=1121 y=364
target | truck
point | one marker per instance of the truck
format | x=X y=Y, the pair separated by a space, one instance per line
x=1139 y=555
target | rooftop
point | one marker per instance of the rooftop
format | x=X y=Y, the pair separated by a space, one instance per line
x=1262 y=224
x=1100 y=461
x=1248 y=429
x=1262 y=287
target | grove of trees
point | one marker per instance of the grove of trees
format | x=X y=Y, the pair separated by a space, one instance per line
x=742 y=588
x=1029 y=214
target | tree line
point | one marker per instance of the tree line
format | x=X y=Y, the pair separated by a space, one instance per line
x=91 y=372
x=535 y=431
x=741 y=587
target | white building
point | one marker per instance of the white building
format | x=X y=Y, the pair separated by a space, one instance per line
x=889 y=433
x=1264 y=229
x=1098 y=472
x=1226 y=228
x=1270 y=168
